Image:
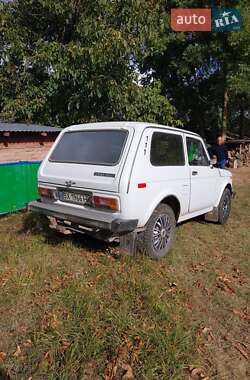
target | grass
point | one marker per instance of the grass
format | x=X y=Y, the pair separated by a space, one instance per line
x=74 y=308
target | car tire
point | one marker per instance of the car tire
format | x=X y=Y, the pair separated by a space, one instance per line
x=158 y=237
x=224 y=206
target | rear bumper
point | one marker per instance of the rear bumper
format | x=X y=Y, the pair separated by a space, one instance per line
x=89 y=218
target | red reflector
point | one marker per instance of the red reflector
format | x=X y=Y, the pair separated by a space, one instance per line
x=142 y=185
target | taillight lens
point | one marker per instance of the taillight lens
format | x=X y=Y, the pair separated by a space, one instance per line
x=106 y=203
x=46 y=193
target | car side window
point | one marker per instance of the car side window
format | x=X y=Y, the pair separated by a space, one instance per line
x=167 y=150
x=196 y=153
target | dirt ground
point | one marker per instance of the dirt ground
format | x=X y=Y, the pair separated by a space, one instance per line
x=241 y=175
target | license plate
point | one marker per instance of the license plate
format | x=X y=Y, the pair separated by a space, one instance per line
x=71 y=197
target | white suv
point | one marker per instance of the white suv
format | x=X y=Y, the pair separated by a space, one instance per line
x=133 y=181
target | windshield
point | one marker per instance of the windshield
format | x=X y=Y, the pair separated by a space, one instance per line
x=97 y=147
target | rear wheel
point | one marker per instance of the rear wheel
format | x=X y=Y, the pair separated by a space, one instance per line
x=158 y=237
x=225 y=206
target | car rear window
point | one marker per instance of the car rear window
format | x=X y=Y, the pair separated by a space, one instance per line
x=97 y=147
x=167 y=150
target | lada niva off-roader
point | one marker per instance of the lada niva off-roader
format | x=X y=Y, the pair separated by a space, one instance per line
x=128 y=180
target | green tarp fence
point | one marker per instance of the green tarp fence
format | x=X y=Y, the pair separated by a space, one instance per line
x=18 y=185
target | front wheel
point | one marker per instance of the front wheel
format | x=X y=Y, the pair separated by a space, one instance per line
x=158 y=237
x=225 y=206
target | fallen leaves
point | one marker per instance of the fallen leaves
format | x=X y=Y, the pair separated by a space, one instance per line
x=3 y=356
x=46 y=361
x=91 y=258
x=64 y=345
x=242 y=314
x=55 y=323
x=239 y=276
x=172 y=289
x=207 y=333
x=27 y=343
x=110 y=371
x=125 y=372
x=18 y=352
x=200 y=267
x=21 y=351
x=198 y=284
x=50 y=321
x=242 y=349
x=120 y=367
x=4 y=278
x=128 y=372
x=197 y=373
x=225 y=283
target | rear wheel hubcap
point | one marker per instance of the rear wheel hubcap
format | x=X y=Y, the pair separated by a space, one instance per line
x=226 y=206
x=161 y=232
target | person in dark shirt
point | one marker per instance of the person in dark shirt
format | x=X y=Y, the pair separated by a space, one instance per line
x=219 y=151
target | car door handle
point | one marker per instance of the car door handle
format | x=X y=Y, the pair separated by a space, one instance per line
x=194 y=172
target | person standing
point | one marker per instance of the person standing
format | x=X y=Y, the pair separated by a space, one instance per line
x=219 y=151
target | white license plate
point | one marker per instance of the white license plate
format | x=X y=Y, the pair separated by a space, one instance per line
x=79 y=198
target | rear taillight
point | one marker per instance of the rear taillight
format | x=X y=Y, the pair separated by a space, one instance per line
x=46 y=193
x=105 y=203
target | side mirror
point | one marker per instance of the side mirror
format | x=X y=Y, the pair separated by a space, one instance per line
x=213 y=162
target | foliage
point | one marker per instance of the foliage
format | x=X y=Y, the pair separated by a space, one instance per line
x=197 y=69
x=65 y=62
x=145 y=104
x=71 y=61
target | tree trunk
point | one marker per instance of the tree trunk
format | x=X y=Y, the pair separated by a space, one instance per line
x=225 y=71
x=241 y=122
x=225 y=111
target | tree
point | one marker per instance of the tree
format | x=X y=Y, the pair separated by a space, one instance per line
x=200 y=72
x=239 y=78
x=70 y=61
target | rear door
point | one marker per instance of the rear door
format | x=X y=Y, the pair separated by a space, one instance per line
x=202 y=175
x=88 y=158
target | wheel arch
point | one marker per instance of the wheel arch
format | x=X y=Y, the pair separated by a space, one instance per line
x=174 y=203
x=227 y=185
x=170 y=200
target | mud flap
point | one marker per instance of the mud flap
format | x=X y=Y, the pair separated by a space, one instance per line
x=128 y=243
x=212 y=216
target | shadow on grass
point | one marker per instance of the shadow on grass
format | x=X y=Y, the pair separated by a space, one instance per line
x=38 y=225
x=4 y=375
x=198 y=219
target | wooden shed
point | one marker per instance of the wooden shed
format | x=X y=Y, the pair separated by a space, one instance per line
x=25 y=142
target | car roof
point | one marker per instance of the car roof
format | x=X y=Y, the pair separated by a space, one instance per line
x=132 y=124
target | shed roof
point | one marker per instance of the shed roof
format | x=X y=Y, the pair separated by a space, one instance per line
x=21 y=127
